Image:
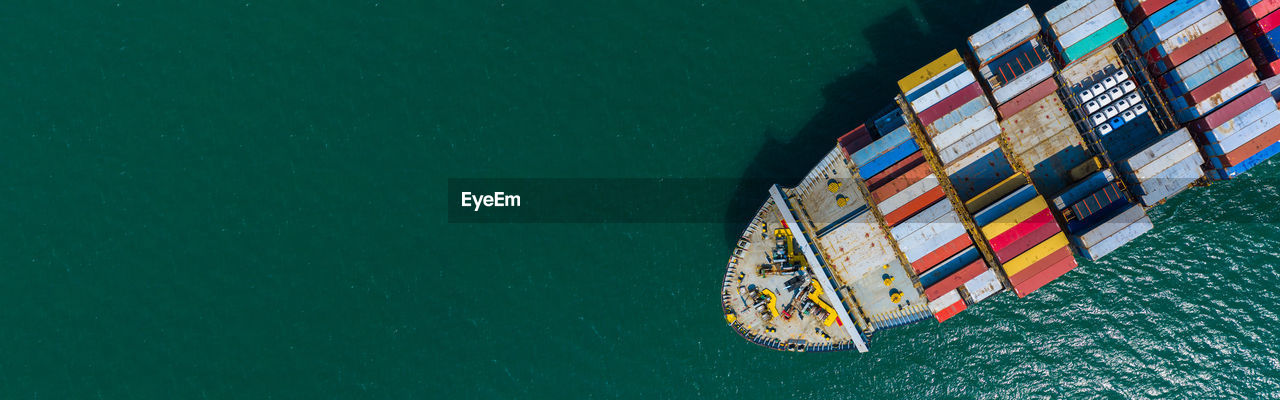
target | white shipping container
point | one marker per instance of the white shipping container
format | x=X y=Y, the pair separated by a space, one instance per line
x=944 y=301
x=1023 y=82
x=1126 y=235
x=906 y=195
x=1089 y=27
x=1178 y=175
x=1155 y=167
x=1222 y=97
x=1253 y=130
x=1008 y=40
x=931 y=236
x=1083 y=14
x=970 y=125
x=968 y=110
x=983 y=286
x=945 y=234
x=1109 y=227
x=1262 y=109
x=1005 y=24
x=968 y=143
x=971 y=157
x=1192 y=32
x=946 y=74
x=931 y=213
x=936 y=95
x=1177 y=24
x=1061 y=11
x=1162 y=146
x=1204 y=59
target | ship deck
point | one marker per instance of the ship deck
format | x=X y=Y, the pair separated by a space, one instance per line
x=853 y=258
x=750 y=315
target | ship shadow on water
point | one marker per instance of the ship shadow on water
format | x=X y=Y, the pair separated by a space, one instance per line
x=902 y=42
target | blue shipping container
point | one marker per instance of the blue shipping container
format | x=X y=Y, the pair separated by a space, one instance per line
x=887 y=160
x=1249 y=163
x=1004 y=205
x=880 y=146
x=948 y=267
x=1082 y=189
x=890 y=121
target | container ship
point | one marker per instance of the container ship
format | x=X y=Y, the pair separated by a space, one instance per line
x=999 y=165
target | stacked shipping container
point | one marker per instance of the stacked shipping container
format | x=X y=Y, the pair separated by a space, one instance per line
x=1256 y=22
x=1033 y=119
x=954 y=191
x=1203 y=68
x=1113 y=113
x=1162 y=168
x=1082 y=26
x=925 y=227
x=1187 y=46
x=1023 y=233
x=1206 y=69
x=1040 y=133
x=1011 y=56
x=950 y=106
x=1240 y=134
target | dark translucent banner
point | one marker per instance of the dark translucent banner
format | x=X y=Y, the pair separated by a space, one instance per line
x=635 y=200
x=735 y=201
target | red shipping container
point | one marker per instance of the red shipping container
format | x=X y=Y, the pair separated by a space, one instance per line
x=1253 y=147
x=855 y=140
x=1256 y=12
x=1230 y=110
x=942 y=253
x=1039 y=266
x=1026 y=242
x=1044 y=277
x=950 y=311
x=1214 y=86
x=1261 y=27
x=1027 y=98
x=901 y=183
x=895 y=170
x=1269 y=70
x=1021 y=229
x=1145 y=9
x=955 y=280
x=1191 y=49
x=949 y=104
x=913 y=207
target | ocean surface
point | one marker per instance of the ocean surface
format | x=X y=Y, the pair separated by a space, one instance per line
x=248 y=200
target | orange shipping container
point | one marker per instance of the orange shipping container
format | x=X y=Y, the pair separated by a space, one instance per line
x=914 y=206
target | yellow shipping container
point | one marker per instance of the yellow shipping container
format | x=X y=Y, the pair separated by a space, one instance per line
x=1085 y=169
x=1015 y=217
x=929 y=71
x=997 y=192
x=1037 y=253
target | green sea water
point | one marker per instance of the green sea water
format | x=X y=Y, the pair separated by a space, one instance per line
x=248 y=200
